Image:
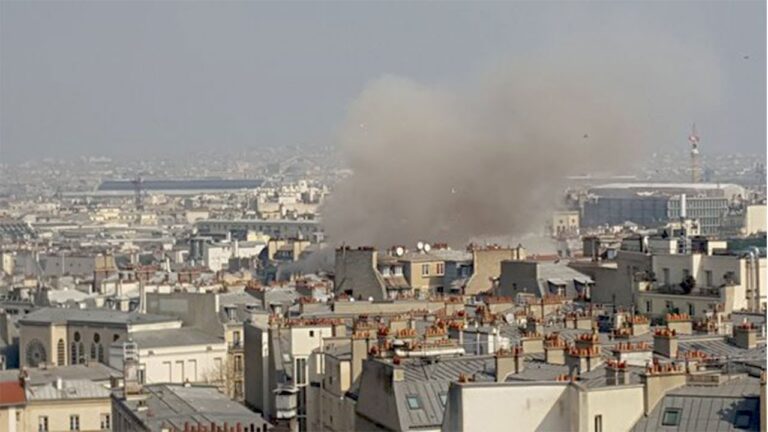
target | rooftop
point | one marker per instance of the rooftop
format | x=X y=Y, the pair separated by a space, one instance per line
x=173 y=405
x=50 y=315
x=174 y=337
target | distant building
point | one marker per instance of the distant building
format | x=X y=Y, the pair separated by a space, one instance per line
x=653 y=204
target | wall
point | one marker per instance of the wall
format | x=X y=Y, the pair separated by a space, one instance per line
x=755 y=219
x=620 y=407
x=356 y=273
x=199 y=310
x=486 y=263
x=519 y=277
x=58 y=413
x=542 y=406
x=198 y=364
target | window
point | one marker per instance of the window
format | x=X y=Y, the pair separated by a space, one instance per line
x=301 y=371
x=60 y=354
x=73 y=353
x=414 y=402
x=425 y=269
x=443 y=398
x=80 y=353
x=599 y=423
x=708 y=277
x=665 y=272
x=691 y=309
x=93 y=351
x=238 y=363
x=236 y=338
x=74 y=422
x=669 y=305
x=101 y=353
x=686 y=273
x=440 y=268
x=311 y=333
x=743 y=419
x=671 y=417
x=77 y=336
x=105 y=425
x=42 y=424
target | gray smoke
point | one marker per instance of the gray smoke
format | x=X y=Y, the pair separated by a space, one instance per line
x=437 y=163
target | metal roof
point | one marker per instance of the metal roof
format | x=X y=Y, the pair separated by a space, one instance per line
x=174 y=405
x=71 y=389
x=50 y=315
x=174 y=337
x=707 y=408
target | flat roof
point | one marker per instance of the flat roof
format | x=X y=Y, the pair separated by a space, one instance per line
x=174 y=337
x=50 y=315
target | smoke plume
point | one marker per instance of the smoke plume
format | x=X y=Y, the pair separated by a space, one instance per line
x=437 y=163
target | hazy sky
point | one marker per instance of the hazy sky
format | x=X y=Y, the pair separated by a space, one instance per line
x=142 y=78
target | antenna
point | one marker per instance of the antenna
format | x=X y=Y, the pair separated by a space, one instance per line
x=694 y=140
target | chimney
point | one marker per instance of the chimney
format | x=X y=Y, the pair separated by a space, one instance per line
x=616 y=373
x=657 y=380
x=665 y=342
x=745 y=335
x=508 y=362
x=360 y=347
x=554 y=350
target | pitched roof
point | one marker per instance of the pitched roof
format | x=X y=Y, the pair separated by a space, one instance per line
x=707 y=408
x=11 y=393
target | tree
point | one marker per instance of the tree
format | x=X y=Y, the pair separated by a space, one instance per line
x=688 y=284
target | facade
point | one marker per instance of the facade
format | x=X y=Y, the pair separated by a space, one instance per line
x=56 y=399
x=283 y=229
x=175 y=356
x=61 y=336
x=277 y=370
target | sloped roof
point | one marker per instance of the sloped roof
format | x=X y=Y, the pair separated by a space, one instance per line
x=11 y=393
x=707 y=408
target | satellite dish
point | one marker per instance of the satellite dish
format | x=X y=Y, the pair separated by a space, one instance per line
x=420 y=246
x=399 y=251
x=427 y=247
x=370 y=299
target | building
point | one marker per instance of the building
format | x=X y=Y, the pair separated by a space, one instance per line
x=62 y=336
x=58 y=398
x=277 y=370
x=653 y=204
x=175 y=356
x=282 y=229
x=540 y=279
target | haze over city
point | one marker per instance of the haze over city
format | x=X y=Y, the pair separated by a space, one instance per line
x=158 y=78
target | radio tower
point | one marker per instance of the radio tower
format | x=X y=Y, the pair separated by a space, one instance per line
x=695 y=162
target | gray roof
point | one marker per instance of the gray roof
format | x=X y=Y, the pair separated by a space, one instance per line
x=92 y=371
x=174 y=337
x=718 y=347
x=707 y=408
x=430 y=412
x=173 y=405
x=99 y=316
x=71 y=389
x=449 y=368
